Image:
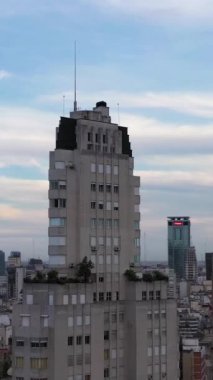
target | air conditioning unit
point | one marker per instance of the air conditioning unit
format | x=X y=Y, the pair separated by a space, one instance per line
x=116 y=249
x=93 y=249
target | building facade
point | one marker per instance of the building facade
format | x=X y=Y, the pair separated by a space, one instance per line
x=178 y=244
x=2 y=263
x=209 y=265
x=110 y=327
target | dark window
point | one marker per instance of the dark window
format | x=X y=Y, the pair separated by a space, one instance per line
x=93 y=186
x=87 y=339
x=117 y=296
x=79 y=340
x=158 y=295
x=104 y=139
x=94 y=297
x=108 y=188
x=93 y=205
x=101 y=187
x=144 y=295
x=151 y=295
x=101 y=296
x=116 y=189
x=70 y=340
x=89 y=136
x=101 y=279
x=106 y=335
x=19 y=343
x=100 y=205
x=109 y=296
x=106 y=372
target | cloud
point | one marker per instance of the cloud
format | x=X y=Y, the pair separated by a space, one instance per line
x=4 y=74
x=169 y=10
x=189 y=103
x=26 y=136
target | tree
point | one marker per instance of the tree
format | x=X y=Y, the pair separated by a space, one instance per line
x=52 y=276
x=84 y=269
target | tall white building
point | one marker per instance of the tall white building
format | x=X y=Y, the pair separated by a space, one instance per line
x=109 y=328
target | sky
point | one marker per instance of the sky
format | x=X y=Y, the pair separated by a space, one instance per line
x=154 y=59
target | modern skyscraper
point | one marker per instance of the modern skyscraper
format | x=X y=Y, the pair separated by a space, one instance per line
x=191 y=265
x=178 y=244
x=107 y=327
x=2 y=263
x=209 y=265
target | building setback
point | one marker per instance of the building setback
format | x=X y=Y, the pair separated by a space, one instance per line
x=110 y=327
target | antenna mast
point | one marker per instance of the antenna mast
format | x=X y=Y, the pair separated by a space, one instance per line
x=75 y=101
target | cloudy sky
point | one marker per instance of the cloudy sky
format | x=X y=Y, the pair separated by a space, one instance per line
x=152 y=57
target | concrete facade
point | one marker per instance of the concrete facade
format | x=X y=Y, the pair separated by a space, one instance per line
x=110 y=328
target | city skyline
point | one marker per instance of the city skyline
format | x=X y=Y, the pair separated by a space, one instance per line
x=155 y=61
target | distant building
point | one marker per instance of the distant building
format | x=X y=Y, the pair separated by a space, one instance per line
x=209 y=265
x=193 y=360
x=14 y=259
x=178 y=244
x=191 y=265
x=2 y=263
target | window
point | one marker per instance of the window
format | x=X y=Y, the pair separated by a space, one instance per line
x=93 y=168
x=151 y=295
x=114 y=318
x=137 y=242
x=101 y=296
x=70 y=360
x=108 y=241
x=121 y=317
x=43 y=342
x=115 y=170
x=19 y=342
x=149 y=315
x=149 y=333
x=70 y=321
x=93 y=186
x=25 y=320
x=106 y=317
x=116 y=242
x=87 y=339
x=116 y=189
x=144 y=295
x=100 y=168
x=136 y=225
x=163 y=314
x=87 y=377
x=100 y=279
x=29 y=299
x=115 y=206
x=79 y=340
x=106 y=354
x=108 y=259
x=106 y=335
x=70 y=341
x=163 y=350
x=156 y=350
x=114 y=334
x=158 y=294
x=116 y=259
x=108 y=188
x=109 y=206
x=116 y=223
x=93 y=241
x=57 y=240
x=137 y=208
x=19 y=362
x=62 y=185
x=44 y=320
x=65 y=299
x=93 y=223
x=108 y=169
x=109 y=221
x=21 y=378
x=74 y=299
x=79 y=360
x=113 y=354
x=58 y=203
x=79 y=320
x=87 y=358
x=94 y=297
x=101 y=259
x=109 y=296
x=89 y=136
x=156 y=314
x=59 y=165
x=87 y=320
x=149 y=351
x=82 y=299
x=57 y=222
x=101 y=223
x=93 y=205
x=38 y=363
x=136 y=191
x=101 y=187
x=106 y=372
x=101 y=240
x=100 y=205
x=156 y=331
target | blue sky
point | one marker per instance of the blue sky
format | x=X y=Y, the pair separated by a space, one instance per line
x=155 y=60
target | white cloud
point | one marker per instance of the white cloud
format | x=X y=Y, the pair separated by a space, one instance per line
x=4 y=74
x=165 y=9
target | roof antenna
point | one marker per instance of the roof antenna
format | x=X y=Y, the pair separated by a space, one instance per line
x=75 y=101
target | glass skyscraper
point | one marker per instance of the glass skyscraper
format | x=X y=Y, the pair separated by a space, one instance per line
x=178 y=243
